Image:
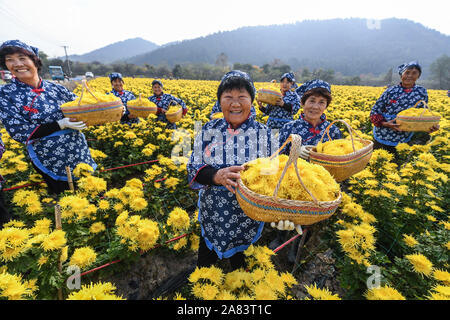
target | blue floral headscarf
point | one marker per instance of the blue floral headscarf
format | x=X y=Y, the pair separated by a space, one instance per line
x=236 y=74
x=115 y=75
x=413 y=64
x=20 y=44
x=289 y=75
x=157 y=82
x=312 y=84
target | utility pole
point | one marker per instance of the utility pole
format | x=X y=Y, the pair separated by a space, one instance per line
x=67 y=60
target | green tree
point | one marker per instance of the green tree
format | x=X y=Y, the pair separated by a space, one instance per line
x=440 y=71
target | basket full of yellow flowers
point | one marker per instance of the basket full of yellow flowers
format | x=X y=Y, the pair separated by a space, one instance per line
x=141 y=107
x=268 y=96
x=342 y=157
x=174 y=113
x=274 y=189
x=417 y=119
x=94 y=109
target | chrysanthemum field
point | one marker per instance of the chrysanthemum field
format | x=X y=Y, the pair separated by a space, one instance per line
x=390 y=236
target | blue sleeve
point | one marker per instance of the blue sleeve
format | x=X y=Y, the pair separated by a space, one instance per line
x=196 y=162
x=179 y=101
x=381 y=103
x=18 y=127
x=285 y=132
x=294 y=100
x=215 y=109
x=2 y=146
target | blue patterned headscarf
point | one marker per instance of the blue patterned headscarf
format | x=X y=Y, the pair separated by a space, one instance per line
x=413 y=64
x=115 y=75
x=157 y=82
x=289 y=75
x=20 y=44
x=236 y=74
x=312 y=84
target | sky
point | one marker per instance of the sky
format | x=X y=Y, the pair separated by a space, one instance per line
x=86 y=25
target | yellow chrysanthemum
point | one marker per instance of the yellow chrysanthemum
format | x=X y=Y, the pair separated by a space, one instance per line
x=99 y=291
x=83 y=257
x=420 y=263
x=384 y=293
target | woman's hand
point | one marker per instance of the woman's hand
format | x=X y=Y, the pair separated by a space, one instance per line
x=287 y=225
x=280 y=102
x=227 y=177
x=391 y=124
x=434 y=128
x=260 y=104
x=71 y=123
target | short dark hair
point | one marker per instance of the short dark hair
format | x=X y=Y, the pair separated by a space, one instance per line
x=12 y=50
x=235 y=83
x=317 y=92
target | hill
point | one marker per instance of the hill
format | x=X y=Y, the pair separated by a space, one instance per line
x=350 y=46
x=117 y=51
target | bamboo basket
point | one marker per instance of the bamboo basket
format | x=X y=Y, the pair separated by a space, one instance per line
x=268 y=96
x=175 y=116
x=343 y=167
x=273 y=209
x=420 y=123
x=141 y=111
x=94 y=114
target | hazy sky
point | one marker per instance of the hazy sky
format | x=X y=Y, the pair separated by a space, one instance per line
x=86 y=25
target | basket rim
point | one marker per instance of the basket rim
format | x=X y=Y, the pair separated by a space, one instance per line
x=175 y=113
x=350 y=156
x=289 y=203
x=419 y=119
x=269 y=91
x=93 y=106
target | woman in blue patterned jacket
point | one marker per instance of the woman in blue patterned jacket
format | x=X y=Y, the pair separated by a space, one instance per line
x=220 y=149
x=315 y=98
x=394 y=100
x=286 y=107
x=163 y=101
x=124 y=95
x=30 y=112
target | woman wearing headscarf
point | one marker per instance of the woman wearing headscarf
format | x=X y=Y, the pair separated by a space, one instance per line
x=124 y=95
x=315 y=98
x=311 y=125
x=394 y=100
x=220 y=150
x=286 y=107
x=163 y=101
x=30 y=112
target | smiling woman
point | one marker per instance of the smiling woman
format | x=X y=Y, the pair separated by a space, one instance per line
x=30 y=112
x=394 y=100
x=220 y=149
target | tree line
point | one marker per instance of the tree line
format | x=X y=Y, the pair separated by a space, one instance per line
x=439 y=71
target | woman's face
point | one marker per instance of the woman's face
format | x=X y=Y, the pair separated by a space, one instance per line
x=117 y=85
x=157 y=90
x=314 y=107
x=285 y=85
x=409 y=77
x=21 y=66
x=236 y=105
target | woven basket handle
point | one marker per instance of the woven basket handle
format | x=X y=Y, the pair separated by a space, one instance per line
x=140 y=97
x=349 y=128
x=293 y=156
x=424 y=109
x=84 y=85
